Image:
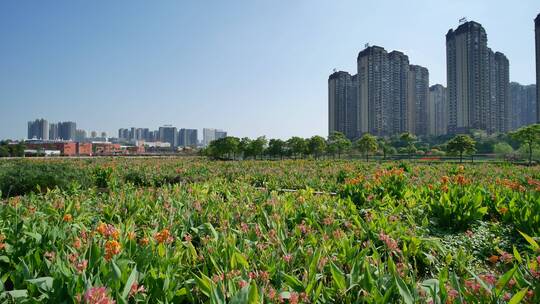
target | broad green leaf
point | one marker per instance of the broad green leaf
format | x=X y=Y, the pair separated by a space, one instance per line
x=530 y=240
x=518 y=296
x=404 y=290
x=130 y=281
x=293 y=282
x=339 y=277
x=253 y=297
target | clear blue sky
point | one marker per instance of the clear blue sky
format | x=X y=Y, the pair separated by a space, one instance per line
x=249 y=67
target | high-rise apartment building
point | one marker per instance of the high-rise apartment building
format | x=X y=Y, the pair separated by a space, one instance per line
x=502 y=110
x=187 y=138
x=523 y=104
x=375 y=106
x=66 y=130
x=478 y=82
x=402 y=109
x=537 y=34
x=53 y=131
x=38 y=129
x=168 y=134
x=437 y=109
x=342 y=104
x=467 y=61
x=80 y=135
x=210 y=135
x=418 y=99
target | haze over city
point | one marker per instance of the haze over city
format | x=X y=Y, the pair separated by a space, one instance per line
x=250 y=68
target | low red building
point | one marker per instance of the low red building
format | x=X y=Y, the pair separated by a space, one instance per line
x=65 y=148
x=84 y=149
x=106 y=148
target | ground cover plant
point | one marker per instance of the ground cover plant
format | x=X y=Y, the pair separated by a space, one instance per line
x=189 y=230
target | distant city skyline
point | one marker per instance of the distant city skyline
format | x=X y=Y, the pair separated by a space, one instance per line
x=250 y=68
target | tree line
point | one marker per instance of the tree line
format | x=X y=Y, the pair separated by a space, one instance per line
x=336 y=145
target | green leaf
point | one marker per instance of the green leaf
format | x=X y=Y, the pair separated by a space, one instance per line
x=45 y=283
x=204 y=283
x=518 y=296
x=240 y=259
x=530 y=240
x=339 y=277
x=404 y=290
x=116 y=270
x=293 y=282
x=517 y=255
x=253 y=297
x=132 y=279
x=15 y=294
x=503 y=280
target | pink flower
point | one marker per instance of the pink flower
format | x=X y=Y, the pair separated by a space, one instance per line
x=97 y=295
x=242 y=283
x=293 y=299
x=81 y=266
x=135 y=289
x=287 y=258
x=507 y=296
x=506 y=257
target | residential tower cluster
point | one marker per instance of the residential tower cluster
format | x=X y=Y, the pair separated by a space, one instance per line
x=390 y=96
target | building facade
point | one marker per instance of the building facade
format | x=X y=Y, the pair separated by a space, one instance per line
x=67 y=130
x=523 y=104
x=342 y=101
x=467 y=61
x=38 y=129
x=403 y=110
x=53 y=131
x=418 y=99
x=478 y=82
x=187 y=138
x=169 y=134
x=437 y=109
x=374 y=91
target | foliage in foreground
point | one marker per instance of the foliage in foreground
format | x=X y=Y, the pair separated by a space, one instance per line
x=384 y=238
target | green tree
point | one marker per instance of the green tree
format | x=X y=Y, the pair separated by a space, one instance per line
x=385 y=147
x=257 y=146
x=297 y=146
x=528 y=136
x=244 y=147
x=338 y=143
x=409 y=140
x=461 y=144
x=276 y=148
x=502 y=149
x=316 y=146
x=367 y=144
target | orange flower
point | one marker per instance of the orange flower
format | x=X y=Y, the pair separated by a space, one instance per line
x=164 y=236
x=493 y=259
x=132 y=235
x=68 y=217
x=445 y=179
x=503 y=210
x=144 y=241
x=112 y=248
x=461 y=180
x=107 y=230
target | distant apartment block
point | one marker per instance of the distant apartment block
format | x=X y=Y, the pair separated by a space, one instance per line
x=187 y=138
x=210 y=135
x=477 y=82
x=169 y=134
x=38 y=129
x=437 y=110
x=523 y=104
x=388 y=96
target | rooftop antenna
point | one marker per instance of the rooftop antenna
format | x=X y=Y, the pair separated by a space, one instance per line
x=366 y=45
x=335 y=70
x=462 y=20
